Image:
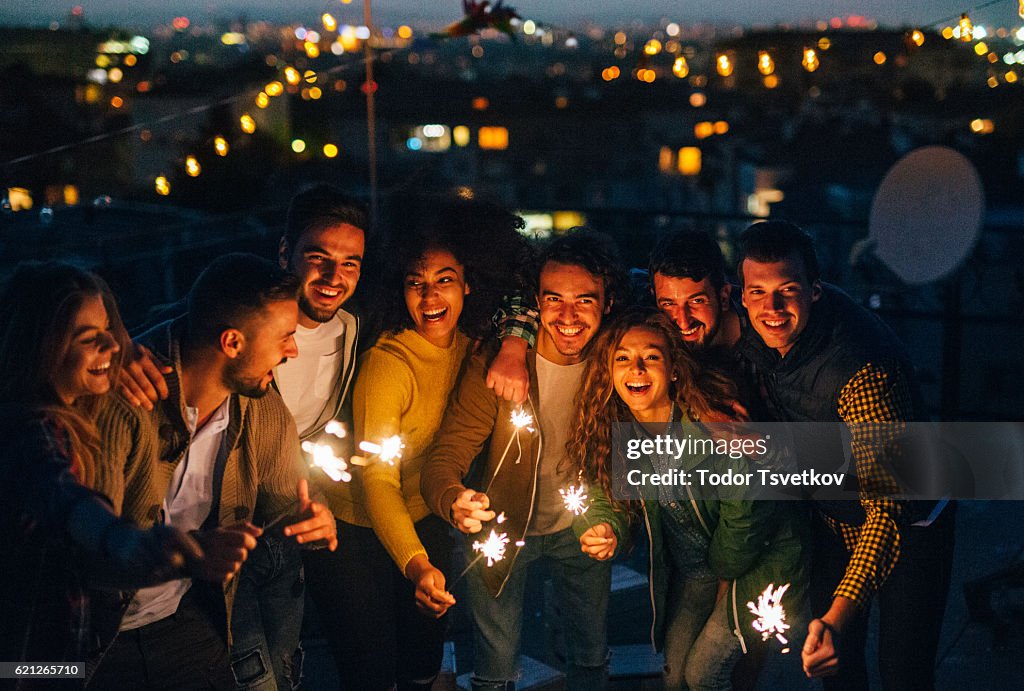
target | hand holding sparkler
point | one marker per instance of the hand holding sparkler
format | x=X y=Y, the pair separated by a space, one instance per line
x=431 y=596
x=599 y=542
x=470 y=511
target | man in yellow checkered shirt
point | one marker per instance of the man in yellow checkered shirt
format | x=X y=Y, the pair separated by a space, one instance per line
x=819 y=357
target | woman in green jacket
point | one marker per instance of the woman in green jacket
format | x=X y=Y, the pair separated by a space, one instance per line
x=711 y=552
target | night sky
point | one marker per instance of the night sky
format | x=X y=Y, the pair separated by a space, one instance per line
x=570 y=13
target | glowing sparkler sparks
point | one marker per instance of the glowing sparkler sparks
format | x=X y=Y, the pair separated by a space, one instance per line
x=501 y=518
x=493 y=548
x=323 y=457
x=336 y=428
x=388 y=451
x=771 y=616
x=575 y=499
x=521 y=419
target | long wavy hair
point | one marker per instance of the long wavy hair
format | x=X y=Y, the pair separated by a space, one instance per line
x=698 y=389
x=37 y=315
x=482 y=236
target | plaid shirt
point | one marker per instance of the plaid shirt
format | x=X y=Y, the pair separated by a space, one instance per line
x=517 y=318
x=875 y=404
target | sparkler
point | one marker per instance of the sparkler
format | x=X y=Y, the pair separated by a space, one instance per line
x=388 y=451
x=493 y=549
x=520 y=419
x=323 y=457
x=336 y=428
x=575 y=499
x=771 y=616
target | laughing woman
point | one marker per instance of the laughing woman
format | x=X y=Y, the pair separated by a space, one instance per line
x=449 y=273
x=60 y=337
x=710 y=555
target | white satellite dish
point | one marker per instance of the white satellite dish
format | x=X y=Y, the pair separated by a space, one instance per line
x=927 y=214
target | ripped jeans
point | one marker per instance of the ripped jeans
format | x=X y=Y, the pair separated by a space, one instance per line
x=267 y=616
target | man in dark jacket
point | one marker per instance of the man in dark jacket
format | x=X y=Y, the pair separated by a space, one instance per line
x=818 y=357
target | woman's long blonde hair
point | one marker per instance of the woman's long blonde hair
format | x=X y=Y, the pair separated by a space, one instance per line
x=697 y=389
x=37 y=314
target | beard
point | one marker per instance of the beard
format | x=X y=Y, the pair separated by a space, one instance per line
x=320 y=316
x=236 y=380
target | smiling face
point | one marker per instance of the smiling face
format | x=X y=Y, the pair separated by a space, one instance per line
x=328 y=261
x=642 y=374
x=85 y=368
x=435 y=289
x=268 y=340
x=778 y=298
x=571 y=301
x=696 y=307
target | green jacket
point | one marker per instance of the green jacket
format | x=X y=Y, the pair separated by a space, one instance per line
x=754 y=543
x=475 y=415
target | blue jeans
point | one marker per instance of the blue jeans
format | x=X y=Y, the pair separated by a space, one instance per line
x=582 y=586
x=267 y=616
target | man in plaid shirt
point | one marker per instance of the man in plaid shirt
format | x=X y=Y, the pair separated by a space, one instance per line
x=820 y=357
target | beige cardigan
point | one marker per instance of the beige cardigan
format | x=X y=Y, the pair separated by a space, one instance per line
x=141 y=450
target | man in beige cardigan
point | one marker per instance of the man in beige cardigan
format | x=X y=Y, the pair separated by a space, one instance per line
x=218 y=455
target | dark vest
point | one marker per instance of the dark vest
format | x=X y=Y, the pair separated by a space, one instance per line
x=841 y=337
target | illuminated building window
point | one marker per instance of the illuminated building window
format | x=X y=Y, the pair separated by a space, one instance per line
x=493 y=138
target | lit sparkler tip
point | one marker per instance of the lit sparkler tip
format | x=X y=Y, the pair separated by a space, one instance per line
x=521 y=419
x=493 y=548
x=323 y=457
x=771 y=615
x=336 y=428
x=501 y=518
x=520 y=543
x=389 y=450
x=575 y=499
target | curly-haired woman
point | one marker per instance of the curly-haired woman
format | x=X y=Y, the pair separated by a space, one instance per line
x=710 y=553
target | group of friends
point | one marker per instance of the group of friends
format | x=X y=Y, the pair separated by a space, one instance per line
x=161 y=524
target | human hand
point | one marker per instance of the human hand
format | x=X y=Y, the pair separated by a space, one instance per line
x=225 y=549
x=141 y=380
x=319 y=526
x=599 y=542
x=470 y=511
x=507 y=374
x=148 y=557
x=431 y=597
x=820 y=652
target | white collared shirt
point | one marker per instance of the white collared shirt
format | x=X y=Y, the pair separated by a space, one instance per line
x=186 y=505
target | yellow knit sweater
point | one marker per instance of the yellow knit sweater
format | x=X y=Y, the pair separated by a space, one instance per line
x=402 y=388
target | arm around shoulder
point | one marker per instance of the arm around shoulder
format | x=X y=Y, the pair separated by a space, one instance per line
x=467 y=424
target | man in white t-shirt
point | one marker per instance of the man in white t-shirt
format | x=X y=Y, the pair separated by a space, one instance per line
x=323 y=246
